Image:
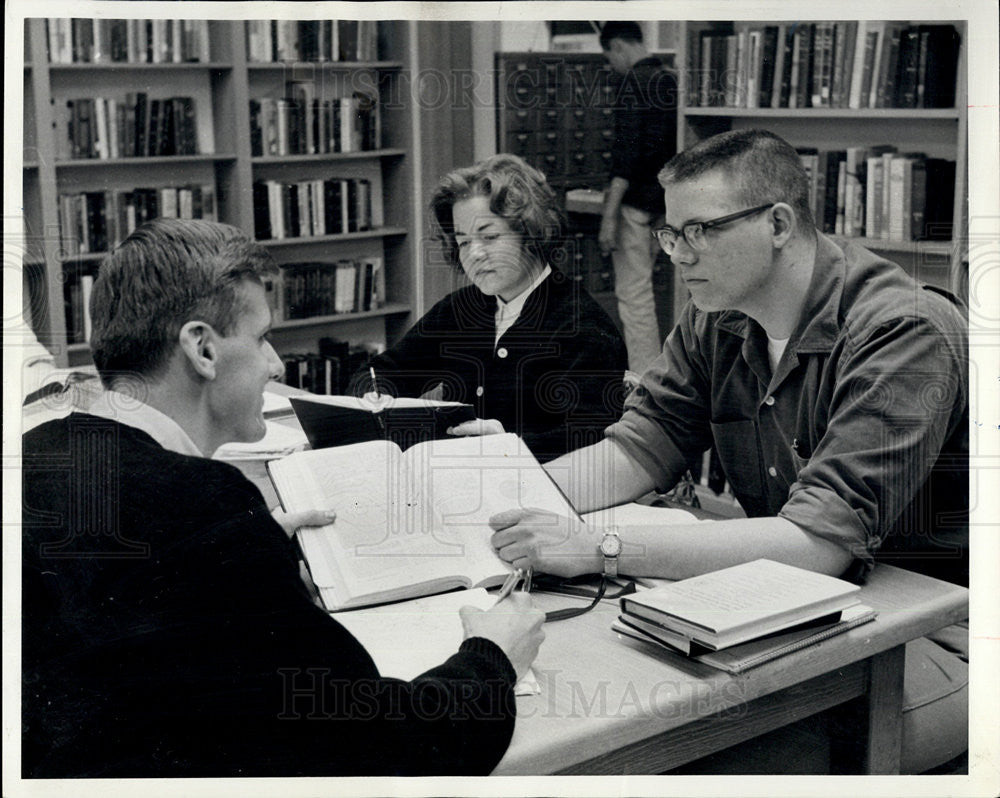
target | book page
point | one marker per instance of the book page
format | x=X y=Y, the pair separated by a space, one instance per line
x=382 y=538
x=468 y=480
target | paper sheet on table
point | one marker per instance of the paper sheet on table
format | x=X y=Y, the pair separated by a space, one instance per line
x=278 y=440
x=276 y=404
x=410 y=637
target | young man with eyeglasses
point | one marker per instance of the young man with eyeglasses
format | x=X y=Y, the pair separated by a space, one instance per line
x=833 y=386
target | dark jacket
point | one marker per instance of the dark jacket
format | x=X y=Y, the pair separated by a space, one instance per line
x=166 y=632
x=645 y=109
x=554 y=377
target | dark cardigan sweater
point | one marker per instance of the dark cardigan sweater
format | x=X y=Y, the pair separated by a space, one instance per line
x=166 y=632
x=554 y=378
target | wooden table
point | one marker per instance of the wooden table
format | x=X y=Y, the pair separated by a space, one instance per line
x=613 y=705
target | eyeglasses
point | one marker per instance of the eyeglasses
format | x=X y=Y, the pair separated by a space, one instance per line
x=694 y=232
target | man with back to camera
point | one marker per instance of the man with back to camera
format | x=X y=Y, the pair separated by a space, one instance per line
x=166 y=631
x=835 y=390
x=645 y=114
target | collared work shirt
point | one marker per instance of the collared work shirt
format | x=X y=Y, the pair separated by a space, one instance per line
x=860 y=436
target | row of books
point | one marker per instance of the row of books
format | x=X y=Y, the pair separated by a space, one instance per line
x=877 y=192
x=132 y=41
x=311 y=207
x=303 y=124
x=312 y=40
x=107 y=127
x=94 y=221
x=327 y=371
x=307 y=290
x=849 y=64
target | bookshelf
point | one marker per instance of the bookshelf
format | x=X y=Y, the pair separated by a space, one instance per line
x=830 y=123
x=228 y=74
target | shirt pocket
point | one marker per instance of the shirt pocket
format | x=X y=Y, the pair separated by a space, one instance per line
x=739 y=452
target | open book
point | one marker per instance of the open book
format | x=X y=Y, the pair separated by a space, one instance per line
x=343 y=420
x=409 y=523
x=732 y=605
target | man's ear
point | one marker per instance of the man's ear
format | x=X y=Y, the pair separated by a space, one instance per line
x=198 y=342
x=783 y=222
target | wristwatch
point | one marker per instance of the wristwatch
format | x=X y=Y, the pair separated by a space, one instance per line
x=611 y=547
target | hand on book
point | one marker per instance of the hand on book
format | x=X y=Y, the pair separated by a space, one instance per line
x=478 y=426
x=291 y=522
x=513 y=624
x=547 y=542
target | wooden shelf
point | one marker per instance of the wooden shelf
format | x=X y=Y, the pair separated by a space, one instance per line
x=378 y=232
x=272 y=66
x=910 y=247
x=874 y=114
x=150 y=160
x=390 y=309
x=122 y=66
x=277 y=160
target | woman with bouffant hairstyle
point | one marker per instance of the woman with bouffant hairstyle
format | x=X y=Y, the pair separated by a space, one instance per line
x=527 y=347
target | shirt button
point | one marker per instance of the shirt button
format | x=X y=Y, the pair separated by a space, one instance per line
x=501 y=352
x=769 y=401
x=772 y=471
x=479 y=390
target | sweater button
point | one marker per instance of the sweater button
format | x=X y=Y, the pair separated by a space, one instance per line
x=769 y=401
x=501 y=352
x=772 y=471
x=479 y=390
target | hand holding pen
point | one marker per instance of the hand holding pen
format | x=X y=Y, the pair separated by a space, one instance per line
x=512 y=623
x=518 y=575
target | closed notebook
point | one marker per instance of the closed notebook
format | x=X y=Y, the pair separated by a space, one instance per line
x=745 y=656
x=732 y=605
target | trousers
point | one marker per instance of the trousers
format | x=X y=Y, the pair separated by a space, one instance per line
x=633 y=260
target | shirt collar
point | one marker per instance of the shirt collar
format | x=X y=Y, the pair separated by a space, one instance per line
x=128 y=410
x=516 y=305
x=818 y=326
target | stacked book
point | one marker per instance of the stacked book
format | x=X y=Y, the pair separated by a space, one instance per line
x=307 y=290
x=302 y=123
x=311 y=207
x=879 y=193
x=94 y=221
x=741 y=617
x=132 y=41
x=311 y=40
x=841 y=64
x=134 y=126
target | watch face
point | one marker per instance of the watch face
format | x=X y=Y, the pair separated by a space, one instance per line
x=611 y=545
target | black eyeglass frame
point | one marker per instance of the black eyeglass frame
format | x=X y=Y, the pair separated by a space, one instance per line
x=703 y=226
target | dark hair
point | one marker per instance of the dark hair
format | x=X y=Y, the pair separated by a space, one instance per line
x=619 y=29
x=763 y=168
x=517 y=193
x=166 y=273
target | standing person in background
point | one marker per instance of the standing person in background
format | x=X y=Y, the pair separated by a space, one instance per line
x=645 y=138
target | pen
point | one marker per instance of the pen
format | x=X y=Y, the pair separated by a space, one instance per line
x=509 y=584
x=371 y=370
